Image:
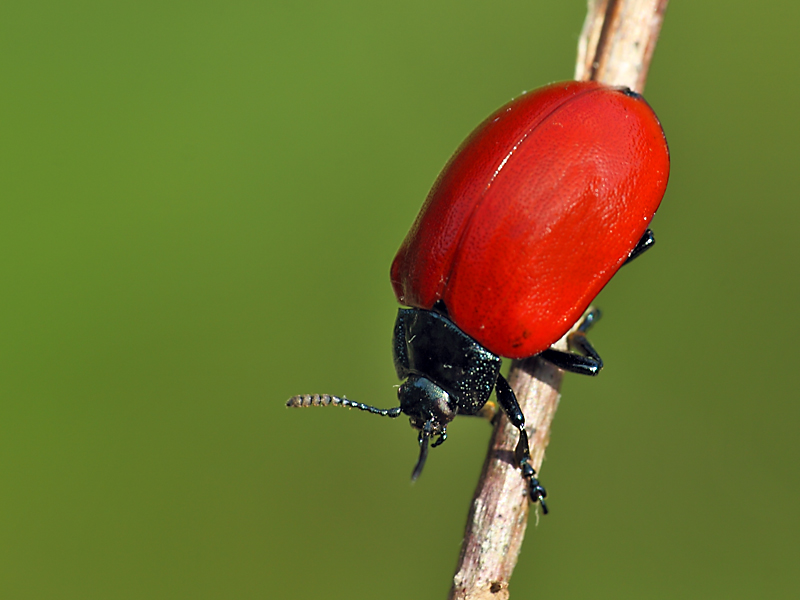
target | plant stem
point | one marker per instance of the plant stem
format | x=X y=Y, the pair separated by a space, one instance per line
x=615 y=47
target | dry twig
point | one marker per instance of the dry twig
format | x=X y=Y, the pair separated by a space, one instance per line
x=615 y=47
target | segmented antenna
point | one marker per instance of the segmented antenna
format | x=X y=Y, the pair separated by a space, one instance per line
x=326 y=399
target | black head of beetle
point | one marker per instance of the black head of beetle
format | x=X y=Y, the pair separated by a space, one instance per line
x=446 y=371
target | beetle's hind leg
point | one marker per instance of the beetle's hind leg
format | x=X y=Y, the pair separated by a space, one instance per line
x=587 y=361
x=647 y=241
x=522 y=453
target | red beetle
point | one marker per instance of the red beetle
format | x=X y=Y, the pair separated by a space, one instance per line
x=529 y=219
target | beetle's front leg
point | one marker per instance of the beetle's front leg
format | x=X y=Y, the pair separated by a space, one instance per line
x=522 y=453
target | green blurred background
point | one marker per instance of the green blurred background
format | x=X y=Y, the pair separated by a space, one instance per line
x=200 y=203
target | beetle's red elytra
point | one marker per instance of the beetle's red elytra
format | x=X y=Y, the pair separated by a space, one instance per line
x=534 y=214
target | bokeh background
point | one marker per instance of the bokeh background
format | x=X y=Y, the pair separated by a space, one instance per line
x=200 y=203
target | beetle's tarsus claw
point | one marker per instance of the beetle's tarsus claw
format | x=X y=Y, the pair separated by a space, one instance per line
x=543 y=505
x=536 y=491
